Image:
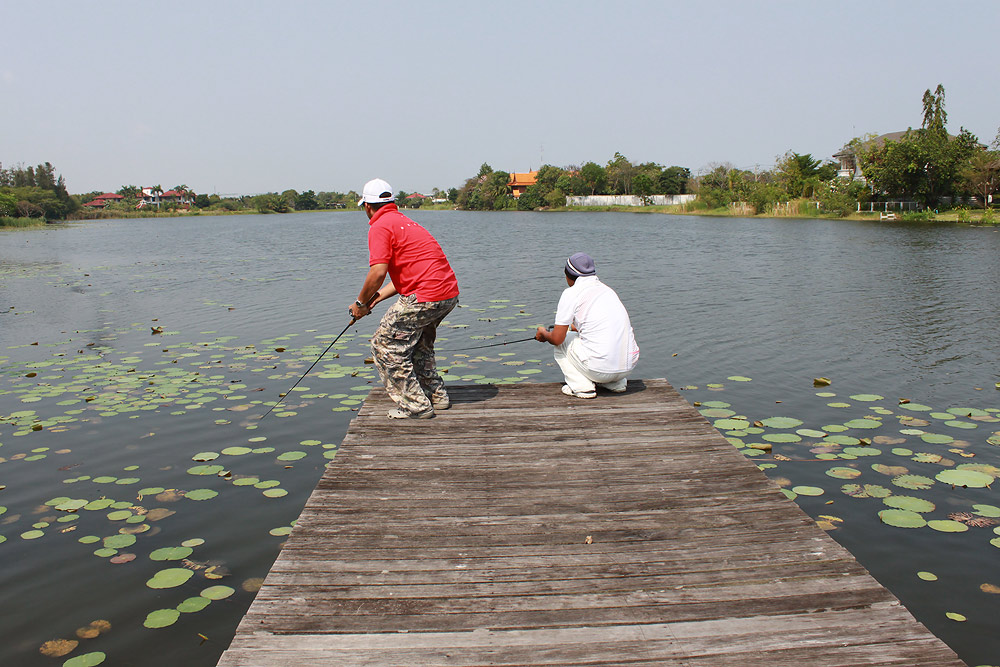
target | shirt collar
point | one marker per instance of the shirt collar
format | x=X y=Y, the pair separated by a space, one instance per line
x=385 y=209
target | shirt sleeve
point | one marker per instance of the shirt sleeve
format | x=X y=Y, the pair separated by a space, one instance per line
x=379 y=245
x=566 y=309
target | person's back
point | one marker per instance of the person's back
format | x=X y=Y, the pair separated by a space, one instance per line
x=596 y=312
x=601 y=350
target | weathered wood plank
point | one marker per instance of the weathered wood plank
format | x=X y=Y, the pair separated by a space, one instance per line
x=523 y=527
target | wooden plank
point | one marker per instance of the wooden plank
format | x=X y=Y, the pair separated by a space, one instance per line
x=522 y=527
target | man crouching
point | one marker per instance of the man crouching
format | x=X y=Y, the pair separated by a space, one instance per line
x=600 y=351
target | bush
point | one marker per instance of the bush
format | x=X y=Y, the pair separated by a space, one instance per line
x=6 y=221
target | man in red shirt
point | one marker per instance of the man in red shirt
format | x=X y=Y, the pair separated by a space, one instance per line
x=403 y=343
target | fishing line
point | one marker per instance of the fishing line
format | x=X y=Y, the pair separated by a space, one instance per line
x=353 y=321
x=349 y=325
x=480 y=347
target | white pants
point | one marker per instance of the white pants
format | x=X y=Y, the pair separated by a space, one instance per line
x=578 y=377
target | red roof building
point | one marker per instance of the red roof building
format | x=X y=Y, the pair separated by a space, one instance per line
x=518 y=183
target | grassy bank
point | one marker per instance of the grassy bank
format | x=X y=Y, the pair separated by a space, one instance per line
x=21 y=222
x=798 y=210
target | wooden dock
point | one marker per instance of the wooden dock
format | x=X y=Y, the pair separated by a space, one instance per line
x=523 y=527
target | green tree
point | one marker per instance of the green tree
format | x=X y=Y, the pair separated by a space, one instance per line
x=674 y=180
x=642 y=185
x=202 y=201
x=130 y=191
x=982 y=174
x=926 y=163
x=306 y=201
x=8 y=205
x=620 y=173
x=594 y=177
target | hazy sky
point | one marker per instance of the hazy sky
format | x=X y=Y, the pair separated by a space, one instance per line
x=247 y=97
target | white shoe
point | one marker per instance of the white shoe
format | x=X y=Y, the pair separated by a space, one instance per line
x=579 y=394
x=618 y=387
x=396 y=413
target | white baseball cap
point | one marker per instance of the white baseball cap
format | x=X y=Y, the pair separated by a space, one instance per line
x=376 y=191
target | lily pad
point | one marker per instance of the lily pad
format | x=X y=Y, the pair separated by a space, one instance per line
x=161 y=618
x=865 y=491
x=170 y=578
x=192 y=605
x=902 y=518
x=914 y=482
x=947 y=526
x=171 y=553
x=217 y=592
x=910 y=503
x=967 y=478
x=91 y=659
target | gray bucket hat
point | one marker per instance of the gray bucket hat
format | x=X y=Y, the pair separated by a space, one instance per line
x=581 y=264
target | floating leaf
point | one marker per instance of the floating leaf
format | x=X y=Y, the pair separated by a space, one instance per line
x=863 y=423
x=170 y=578
x=862 y=451
x=201 y=494
x=865 y=491
x=161 y=618
x=910 y=503
x=192 y=605
x=217 y=592
x=843 y=473
x=56 y=648
x=955 y=616
x=807 y=490
x=914 y=482
x=206 y=470
x=86 y=660
x=119 y=541
x=731 y=424
x=987 y=510
x=927 y=576
x=291 y=456
x=902 y=518
x=867 y=398
x=967 y=478
x=171 y=553
x=253 y=584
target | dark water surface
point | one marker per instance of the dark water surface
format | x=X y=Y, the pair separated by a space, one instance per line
x=742 y=314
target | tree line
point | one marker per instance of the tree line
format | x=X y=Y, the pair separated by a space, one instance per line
x=34 y=192
x=489 y=190
x=925 y=165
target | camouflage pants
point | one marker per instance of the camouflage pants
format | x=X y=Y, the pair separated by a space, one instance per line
x=403 y=350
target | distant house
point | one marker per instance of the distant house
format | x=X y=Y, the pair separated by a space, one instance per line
x=518 y=183
x=151 y=196
x=100 y=201
x=416 y=195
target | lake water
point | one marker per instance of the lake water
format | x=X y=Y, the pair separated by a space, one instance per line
x=145 y=350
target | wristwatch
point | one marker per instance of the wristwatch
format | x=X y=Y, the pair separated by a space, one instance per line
x=357 y=302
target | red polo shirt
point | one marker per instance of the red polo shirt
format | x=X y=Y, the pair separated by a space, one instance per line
x=417 y=265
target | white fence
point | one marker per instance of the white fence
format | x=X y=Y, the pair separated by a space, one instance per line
x=629 y=200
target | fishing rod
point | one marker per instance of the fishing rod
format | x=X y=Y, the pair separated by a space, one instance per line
x=349 y=325
x=506 y=342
